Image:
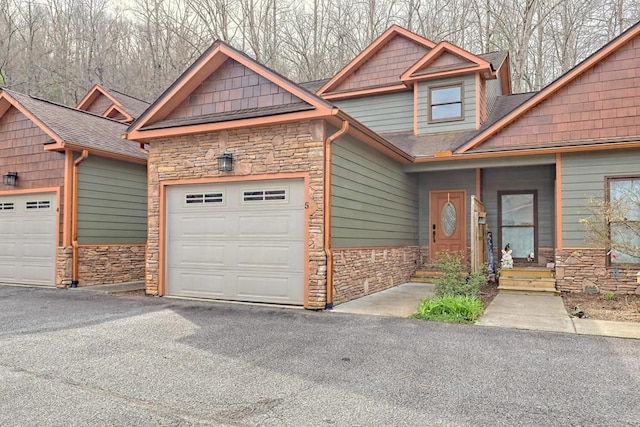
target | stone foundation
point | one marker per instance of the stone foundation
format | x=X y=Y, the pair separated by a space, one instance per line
x=586 y=270
x=102 y=264
x=360 y=272
x=64 y=266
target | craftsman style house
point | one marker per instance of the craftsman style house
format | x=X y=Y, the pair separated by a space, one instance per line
x=73 y=196
x=261 y=189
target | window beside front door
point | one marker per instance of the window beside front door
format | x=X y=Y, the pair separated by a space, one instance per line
x=517 y=216
x=624 y=219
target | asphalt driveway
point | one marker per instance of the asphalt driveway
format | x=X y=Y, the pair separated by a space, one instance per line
x=73 y=358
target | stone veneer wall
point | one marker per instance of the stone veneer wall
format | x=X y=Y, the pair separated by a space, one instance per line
x=64 y=266
x=585 y=270
x=359 y=272
x=103 y=264
x=275 y=149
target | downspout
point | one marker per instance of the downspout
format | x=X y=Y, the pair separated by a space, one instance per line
x=74 y=220
x=327 y=209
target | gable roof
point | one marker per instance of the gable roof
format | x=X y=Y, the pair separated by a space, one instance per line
x=127 y=105
x=552 y=88
x=157 y=120
x=368 y=53
x=72 y=128
x=462 y=62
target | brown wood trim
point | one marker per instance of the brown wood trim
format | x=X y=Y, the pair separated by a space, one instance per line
x=91 y=95
x=479 y=183
x=607 y=198
x=144 y=135
x=334 y=96
x=204 y=66
x=478 y=90
x=559 y=231
x=430 y=105
x=416 y=102
x=435 y=53
x=535 y=151
x=68 y=199
x=501 y=244
x=71 y=146
x=162 y=221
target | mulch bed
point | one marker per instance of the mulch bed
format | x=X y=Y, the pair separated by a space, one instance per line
x=624 y=308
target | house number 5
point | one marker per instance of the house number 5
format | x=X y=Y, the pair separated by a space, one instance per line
x=306 y=205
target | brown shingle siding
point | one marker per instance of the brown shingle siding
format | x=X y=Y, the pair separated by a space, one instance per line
x=232 y=87
x=599 y=105
x=386 y=66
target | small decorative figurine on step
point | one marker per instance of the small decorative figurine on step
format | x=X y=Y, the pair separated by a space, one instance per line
x=507 y=260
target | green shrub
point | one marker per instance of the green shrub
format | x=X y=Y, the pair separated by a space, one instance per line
x=609 y=296
x=455 y=280
x=450 y=309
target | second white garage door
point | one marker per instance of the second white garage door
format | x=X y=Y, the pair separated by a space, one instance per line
x=28 y=239
x=239 y=241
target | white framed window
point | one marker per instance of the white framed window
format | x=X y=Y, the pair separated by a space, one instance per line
x=7 y=206
x=265 y=195
x=205 y=198
x=38 y=205
x=446 y=103
x=624 y=224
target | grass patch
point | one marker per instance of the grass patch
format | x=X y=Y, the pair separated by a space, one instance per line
x=450 y=309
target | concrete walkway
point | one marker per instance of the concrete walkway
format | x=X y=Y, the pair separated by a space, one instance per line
x=114 y=288
x=516 y=311
x=399 y=301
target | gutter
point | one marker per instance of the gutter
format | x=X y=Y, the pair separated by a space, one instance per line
x=74 y=220
x=327 y=209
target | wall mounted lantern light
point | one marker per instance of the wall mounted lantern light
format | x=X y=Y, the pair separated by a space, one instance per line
x=10 y=178
x=225 y=162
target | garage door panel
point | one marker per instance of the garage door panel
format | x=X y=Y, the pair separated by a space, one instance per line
x=38 y=227
x=269 y=256
x=28 y=239
x=201 y=226
x=8 y=227
x=284 y=289
x=7 y=250
x=256 y=248
x=197 y=284
x=193 y=255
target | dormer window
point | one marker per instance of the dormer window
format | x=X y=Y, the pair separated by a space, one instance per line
x=445 y=103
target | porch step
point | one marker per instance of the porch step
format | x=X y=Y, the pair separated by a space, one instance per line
x=425 y=276
x=540 y=272
x=527 y=280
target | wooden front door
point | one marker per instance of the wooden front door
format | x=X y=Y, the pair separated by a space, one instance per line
x=448 y=230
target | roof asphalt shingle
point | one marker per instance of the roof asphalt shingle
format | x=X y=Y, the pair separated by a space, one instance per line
x=134 y=106
x=80 y=128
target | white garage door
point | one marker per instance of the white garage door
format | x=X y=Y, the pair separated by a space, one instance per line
x=28 y=239
x=239 y=241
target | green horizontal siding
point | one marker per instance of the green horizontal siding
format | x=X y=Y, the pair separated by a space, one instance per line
x=583 y=176
x=112 y=202
x=383 y=113
x=373 y=202
x=540 y=178
x=469 y=96
x=445 y=180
